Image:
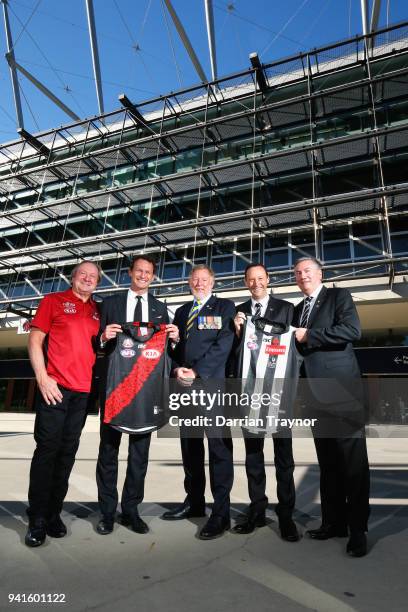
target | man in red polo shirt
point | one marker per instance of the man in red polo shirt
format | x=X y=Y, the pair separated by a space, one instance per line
x=66 y=324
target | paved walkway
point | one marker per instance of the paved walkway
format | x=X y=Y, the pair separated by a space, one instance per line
x=169 y=569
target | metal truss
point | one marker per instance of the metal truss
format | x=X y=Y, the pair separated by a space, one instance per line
x=320 y=120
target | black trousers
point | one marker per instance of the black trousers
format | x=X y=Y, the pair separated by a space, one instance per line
x=344 y=481
x=57 y=431
x=284 y=468
x=221 y=471
x=107 y=471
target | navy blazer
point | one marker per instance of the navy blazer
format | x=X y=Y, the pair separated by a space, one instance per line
x=328 y=352
x=205 y=350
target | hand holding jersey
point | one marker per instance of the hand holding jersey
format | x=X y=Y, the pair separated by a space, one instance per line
x=259 y=359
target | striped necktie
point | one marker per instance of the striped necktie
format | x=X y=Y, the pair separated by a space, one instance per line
x=258 y=309
x=306 y=311
x=192 y=316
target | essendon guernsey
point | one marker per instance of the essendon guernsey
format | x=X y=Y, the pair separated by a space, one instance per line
x=270 y=365
x=137 y=372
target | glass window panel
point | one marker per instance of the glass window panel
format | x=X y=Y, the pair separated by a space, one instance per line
x=399 y=243
x=361 y=250
x=173 y=271
x=336 y=251
x=223 y=264
x=276 y=259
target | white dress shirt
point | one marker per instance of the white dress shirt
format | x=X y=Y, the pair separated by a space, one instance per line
x=131 y=305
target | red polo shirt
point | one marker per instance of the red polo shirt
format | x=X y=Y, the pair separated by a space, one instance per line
x=70 y=324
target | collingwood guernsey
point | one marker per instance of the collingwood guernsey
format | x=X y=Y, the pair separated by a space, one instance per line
x=270 y=367
x=137 y=373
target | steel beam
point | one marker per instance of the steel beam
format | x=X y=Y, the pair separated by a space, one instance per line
x=375 y=14
x=186 y=42
x=364 y=16
x=95 y=54
x=13 y=72
x=209 y=16
x=12 y=62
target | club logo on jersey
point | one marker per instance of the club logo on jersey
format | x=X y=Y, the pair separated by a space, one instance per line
x=69 y=307
x=151 y=353
x=127 y=343
x=272 y=363
x=275 y=348
x=95 y=316
x=128 y=353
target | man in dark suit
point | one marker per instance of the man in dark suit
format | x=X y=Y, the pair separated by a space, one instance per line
x=327 y=323
x=135 y=305
x=278 y=311
x=206 y=336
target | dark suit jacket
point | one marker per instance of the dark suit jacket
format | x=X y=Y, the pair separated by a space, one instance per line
x=328 y=352
x=277 y=311
x=205 y=350
x=113 y=310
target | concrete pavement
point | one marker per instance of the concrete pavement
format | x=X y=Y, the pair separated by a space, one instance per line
x=170 y=569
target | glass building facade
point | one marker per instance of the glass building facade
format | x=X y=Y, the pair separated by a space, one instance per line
x=307 y=155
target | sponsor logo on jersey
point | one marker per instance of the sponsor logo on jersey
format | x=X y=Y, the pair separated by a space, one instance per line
x=151 y=353
x=275 y=348
x=128 y=353
x=252 y=346
x=272 y=363
x=127 y=343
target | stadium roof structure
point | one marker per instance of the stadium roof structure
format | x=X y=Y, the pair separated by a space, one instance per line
x=311 y=142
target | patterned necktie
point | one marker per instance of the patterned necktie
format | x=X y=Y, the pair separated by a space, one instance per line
x=306 y=311
x=138 y=316
x=257 y=313
x=192 y=316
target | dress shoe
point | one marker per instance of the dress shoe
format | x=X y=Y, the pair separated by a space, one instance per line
x=288 y=530
x=183 y=512
x=134 y=522
x=105 y=525
x=357 y=544
x=251 y=522
x=325 y=532
x=36 y=532
x=55 y=527
x=214 y=528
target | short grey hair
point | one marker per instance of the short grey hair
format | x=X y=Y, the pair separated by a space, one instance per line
x=316 y=262
x=86 y=261
x=202 y=267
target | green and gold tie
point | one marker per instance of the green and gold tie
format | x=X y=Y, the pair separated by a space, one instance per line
x=192 y=316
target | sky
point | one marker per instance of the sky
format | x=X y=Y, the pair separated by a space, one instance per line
x=141 y=53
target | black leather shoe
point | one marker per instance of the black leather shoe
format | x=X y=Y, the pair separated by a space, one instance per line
x=135 y=523
x=214 y=528
x=357 y=544
x=183 y=512
x=55 y=527
x=105 y=525
x=36 y=532
x=325 y=532
x=288 y=530
x=250 y=524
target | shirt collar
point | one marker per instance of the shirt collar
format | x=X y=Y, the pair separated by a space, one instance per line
x=315 y=292
x=203 y=301
x=262 y=302
x=133 y=294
